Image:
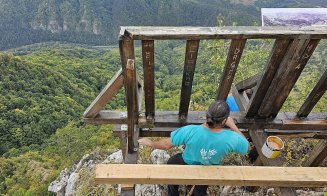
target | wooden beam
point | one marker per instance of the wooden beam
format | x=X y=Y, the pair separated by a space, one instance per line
x=259 y=138
x=148 y=68
x=289 y=71
x=228 y=32
x=283 y=121
x=192 y=47
x=131 y=85
x=211 y=175
x=248 y=83
x=315 y=95
x=276 y=56
x=233 y=59
x=317 y=155
x=109 y=91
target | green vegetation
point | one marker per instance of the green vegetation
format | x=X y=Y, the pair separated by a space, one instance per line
x=46 y=87
x=97 y=21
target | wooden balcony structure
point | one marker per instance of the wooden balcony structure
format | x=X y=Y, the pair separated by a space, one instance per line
x=260 y=114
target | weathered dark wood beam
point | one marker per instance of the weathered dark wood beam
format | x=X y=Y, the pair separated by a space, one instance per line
x=126 y=49
x=109 y=91
x=283 y=121
x=276 y=56
x=317 y=155
x=315 y=95
x=289 y=71
x=148 y=68
x=131 y=100
x=248 y=83
x=191 y=54
x=233 y=59
x=259 y=138
x=239 y=32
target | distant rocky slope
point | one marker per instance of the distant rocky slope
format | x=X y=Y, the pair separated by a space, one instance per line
x=97 y=21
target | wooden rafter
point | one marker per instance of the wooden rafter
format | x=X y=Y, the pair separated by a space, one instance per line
x=289 y=71
x=233 y=59
x=240 y=98
x=276 y=56
x=315 y=95
x=191 y=54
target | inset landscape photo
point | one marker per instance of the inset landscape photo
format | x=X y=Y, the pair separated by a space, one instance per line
x=294 y=16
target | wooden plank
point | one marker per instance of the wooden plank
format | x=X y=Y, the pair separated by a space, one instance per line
x=109 y=91
x=248 y=83
x=233 y=59
x=276 y=56
x=211 y=175
x=289 y=71
x=148 y=68
x=240 y=99
x=259 y=138
x=313 y=98
x=130 y=78
x=317 y=155
x=191 y=54
x=126 y=49
x=239 y=32
x=315 y=121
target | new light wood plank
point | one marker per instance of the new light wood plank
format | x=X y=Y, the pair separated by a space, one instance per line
x=148 y=68
x=289 y=71
x=109 y=91
x=211 y=175
x=239 y=32
x=314 y=96
x=192 y=47
x=276 y=56
x=233 y=59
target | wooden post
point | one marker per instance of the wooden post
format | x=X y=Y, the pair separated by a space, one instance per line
x=130 y=79
x=233 y=59
x=191 y=54
x=314 y=96
x=148 y=68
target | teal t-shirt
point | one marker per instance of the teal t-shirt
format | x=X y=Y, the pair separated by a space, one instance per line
x=204 y=147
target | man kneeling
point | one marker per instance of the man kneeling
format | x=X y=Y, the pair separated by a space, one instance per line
x=205 y=144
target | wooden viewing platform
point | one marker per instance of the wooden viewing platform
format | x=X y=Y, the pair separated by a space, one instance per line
x=260 y=113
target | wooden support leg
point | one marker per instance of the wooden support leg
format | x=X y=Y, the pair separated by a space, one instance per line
x=318 y=154
x=258 y=138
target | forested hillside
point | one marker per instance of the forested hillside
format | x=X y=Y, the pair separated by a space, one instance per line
x=97 y=21
x=46 y=88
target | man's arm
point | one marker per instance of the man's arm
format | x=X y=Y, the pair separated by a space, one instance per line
x=163 y=144
x=230 y=123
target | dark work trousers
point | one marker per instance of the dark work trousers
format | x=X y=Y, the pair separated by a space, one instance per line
x=199 y=190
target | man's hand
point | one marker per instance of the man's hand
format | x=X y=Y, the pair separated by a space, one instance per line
x=230 y=123
x=163 y=144
x=145 y=142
